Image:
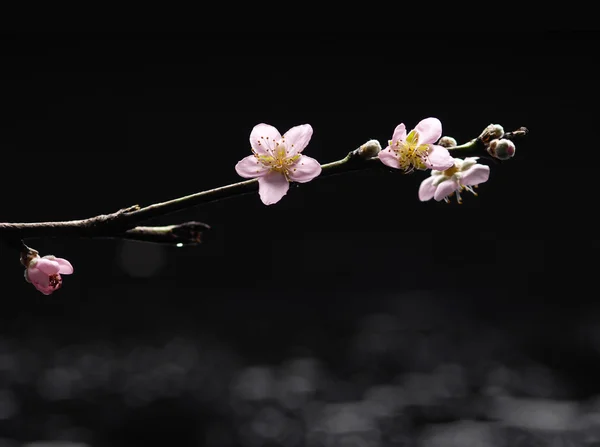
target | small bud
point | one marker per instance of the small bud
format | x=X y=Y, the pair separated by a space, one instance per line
x=369 y=150
x=501 y=149
x=491 y=132
x=447 y=142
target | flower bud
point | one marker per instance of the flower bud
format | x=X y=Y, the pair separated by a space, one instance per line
x=447 y=142
x=491 y=132
x=44 y=273
x=501 y=149
x=369 y=150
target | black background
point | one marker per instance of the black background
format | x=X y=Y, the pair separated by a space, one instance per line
x=91 y=123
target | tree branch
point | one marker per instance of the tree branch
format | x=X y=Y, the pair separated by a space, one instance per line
x=188 y=233
x=124 y=223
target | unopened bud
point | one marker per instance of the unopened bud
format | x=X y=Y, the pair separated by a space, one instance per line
x=491 y=132
x=369 y=150
x=447 y=142
x=501 y=149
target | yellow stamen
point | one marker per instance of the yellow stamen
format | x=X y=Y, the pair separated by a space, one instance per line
x=450 y=171
x=410 y=154
x=279 y=161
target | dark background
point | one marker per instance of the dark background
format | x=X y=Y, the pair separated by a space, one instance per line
x=349 y=282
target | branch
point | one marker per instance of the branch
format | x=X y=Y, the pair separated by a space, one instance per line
x=352 y=162
x=481 y=142
x=188 y=233
x=124 y=223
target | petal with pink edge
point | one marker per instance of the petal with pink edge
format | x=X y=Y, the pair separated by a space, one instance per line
x=388 y=158
x=430 y=130
x=36 y=276
x=475 y=175
x=49 y=267
x=272 y=187
x=262 y=138
x=46 y=290
x=305 y=169
x=444 y=189
x=65 y=266
x=250 y=167
x=399 y=133
x=297 y=138
x=439 y=158
x=427 y=190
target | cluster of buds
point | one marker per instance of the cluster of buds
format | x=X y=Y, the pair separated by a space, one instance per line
x=495 y=145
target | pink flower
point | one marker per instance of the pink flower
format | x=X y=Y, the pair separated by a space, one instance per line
x=416 y=150
x=463 y=175
x=278 y=160
x=44 y=273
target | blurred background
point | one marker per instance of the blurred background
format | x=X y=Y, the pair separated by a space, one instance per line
x=348 y=314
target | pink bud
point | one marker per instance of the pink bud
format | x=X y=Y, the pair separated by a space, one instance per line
x=501 y=149
x=44 y=273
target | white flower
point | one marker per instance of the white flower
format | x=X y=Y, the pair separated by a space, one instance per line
x=463 y=175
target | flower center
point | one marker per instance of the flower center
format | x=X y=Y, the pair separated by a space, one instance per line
x=410 y=154
x=55 y=281
x=279 y=161
x=450 y=171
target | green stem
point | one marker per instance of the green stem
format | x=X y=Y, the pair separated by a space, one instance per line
x=335 y=164
x=350 y=162
x=471 y=145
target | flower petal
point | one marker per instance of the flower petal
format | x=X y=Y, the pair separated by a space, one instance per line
x=438 y=158
x=36 y=276
x=46 y=290
x=304 y=170
x=65 y=266
x=466 y=163
x=262 y=138
x=388 y=158
x=430 y=130
x=427 y=190
x=48 y=266
x=475 y=175
x=297 y=138
x=399 y=133
x=250 y=167
x=444 y=189
x=272 y=187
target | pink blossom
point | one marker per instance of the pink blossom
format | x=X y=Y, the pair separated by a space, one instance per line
x=465 y=174
x=278 y=160
x=417 y=149
x=44 y=273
